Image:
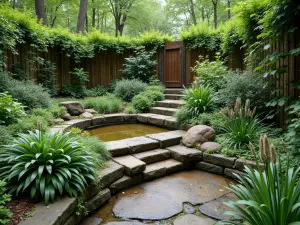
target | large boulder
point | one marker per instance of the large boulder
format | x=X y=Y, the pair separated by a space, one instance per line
x=75 y=108
x=198 y=135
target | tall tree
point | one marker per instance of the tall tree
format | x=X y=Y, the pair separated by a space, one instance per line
x=40 y=10
x=82 y=16
x=215 y=4
x=229 y=11
x=93 y=14
x=120 y=10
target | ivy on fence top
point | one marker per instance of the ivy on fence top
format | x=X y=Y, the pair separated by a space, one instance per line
x=17 y=28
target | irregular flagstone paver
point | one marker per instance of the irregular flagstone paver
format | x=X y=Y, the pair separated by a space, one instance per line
x=166 y=139
x=190 y=219
x=117 y=148
x=140 y=144
x=125 y=182
x=184 y=154
x=189 y=209
x=216 y=208
x=171 y=192
x=55 y=214
x=132 y=165
x=153 y=156
x=154 y=171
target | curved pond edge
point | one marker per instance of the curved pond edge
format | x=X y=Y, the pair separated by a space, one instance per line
x=65 y=210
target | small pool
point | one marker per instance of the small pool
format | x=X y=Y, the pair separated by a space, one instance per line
x=122 y=131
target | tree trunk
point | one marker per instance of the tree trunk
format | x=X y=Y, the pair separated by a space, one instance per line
x=215 y=3
x=86 y=23
x=82 y=15
x=40 y=10
x=193 y=12
x=203 y=14
x=14 y=4
x=94 y=15
x=229 y=12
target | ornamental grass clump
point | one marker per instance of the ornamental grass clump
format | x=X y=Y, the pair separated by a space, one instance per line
x=269 y=197
x=45 y=165
x=241 y=124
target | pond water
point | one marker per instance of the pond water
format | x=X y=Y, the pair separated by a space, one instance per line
x=122 y=131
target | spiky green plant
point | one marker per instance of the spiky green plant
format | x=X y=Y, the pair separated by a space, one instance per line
x=46 y=164
x=268 y=197
x=199 y=99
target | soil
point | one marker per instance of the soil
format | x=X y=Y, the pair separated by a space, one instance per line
x=20 y=208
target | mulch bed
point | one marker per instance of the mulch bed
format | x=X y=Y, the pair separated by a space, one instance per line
x=20 y=209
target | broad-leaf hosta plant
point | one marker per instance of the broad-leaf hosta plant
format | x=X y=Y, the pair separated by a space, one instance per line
x=266 y=197
x=45 y=165
x=199 y=99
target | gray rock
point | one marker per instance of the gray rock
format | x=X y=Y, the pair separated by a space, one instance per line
x=125 y=182
x=98 y=200
x=198 y=135
x=114 y=118
x=86 y=115
x=92 y=111
x=211 y=168
x=97 y=120
x=190 y=219
x=184 y=154
x=66 y=117
x=171 y=123
x=219 y=159
x=211 y=146
x=130 y=118
x=132 y=165
x=166 y=139
x=75 y=108
x=189 y=209
x=55 y=214
x=153 y=156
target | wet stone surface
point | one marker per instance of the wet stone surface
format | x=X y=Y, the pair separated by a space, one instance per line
x=189 y=209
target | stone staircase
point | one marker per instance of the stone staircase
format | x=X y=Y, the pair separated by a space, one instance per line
x=168 y=107
x=150 y=157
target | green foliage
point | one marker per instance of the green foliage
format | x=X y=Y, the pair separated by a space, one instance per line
x=78 y=88
x=130 y=110
x=10 y=110
x=201 y=36
x=266 y=197
x=199 y=99
x=246 y=85
x=43 y=113
x=105 y=104
x=5 y=135
x=57 y=111
x=126 y=89
x=97 y=91
x=5 y=213
x=46 y=77
x=139 y=66
x=241 y=125
x=183 y=116
x=154 y=95
x=210 y=73
x=158 y=87
x=154 y=81
x=46 y=164
x=25 y=92
x=141 y=103
x=294 y=132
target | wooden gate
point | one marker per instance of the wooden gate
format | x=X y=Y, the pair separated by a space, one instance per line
x=174 y=64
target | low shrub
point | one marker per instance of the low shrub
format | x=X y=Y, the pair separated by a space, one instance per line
x=210 y=73
x=241 y=125
x=57 y=111
x=294 y=132
x=5 y=135
x=10 y=110
x=78 y=88
x=97 y=91
x=25 y=92
x=5 y=213
x=127 y=89
x=199 y=99
x=154 y=81
x=140 y=66
x=130 y=110
x=246 y=85
x=183 y=116
x=105 y=104
x=45 y=165
x=141 y=103
x=28 y=123
x=43 y=113
x=154 y=95
x=159 y=88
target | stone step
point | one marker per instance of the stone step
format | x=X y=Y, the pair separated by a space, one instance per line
x=184 y=154
x=166 y=139
x=132 y=165
x=177 y=91
x=173 y=96
x=124 y=183
x=153 y=156
x=163 y=111
x=170 y=103
x=162 y=168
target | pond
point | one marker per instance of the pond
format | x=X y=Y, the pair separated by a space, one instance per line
x=122 y=131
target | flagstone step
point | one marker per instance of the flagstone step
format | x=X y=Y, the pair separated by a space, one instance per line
x=170 y=103
x=184 y=154
x=166 y=139
x=173 y=96
x=132 y=165
x=163 y=111
x=153 y=156
x=177 y=91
